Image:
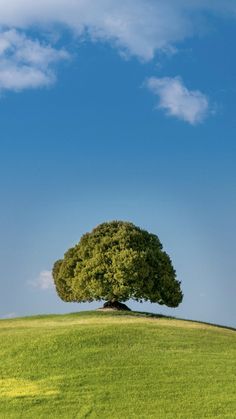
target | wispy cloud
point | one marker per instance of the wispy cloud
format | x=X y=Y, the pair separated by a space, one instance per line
x=26 y=63
x=44 y=281
x=176 y=100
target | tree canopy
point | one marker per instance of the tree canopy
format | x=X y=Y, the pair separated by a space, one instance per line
x=117 y=261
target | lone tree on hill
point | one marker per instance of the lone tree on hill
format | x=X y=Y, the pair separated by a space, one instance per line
x=115 y=262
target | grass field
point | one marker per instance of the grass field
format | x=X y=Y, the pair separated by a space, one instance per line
x=115 y=365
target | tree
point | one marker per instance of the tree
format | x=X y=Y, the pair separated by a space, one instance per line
x=117 y=261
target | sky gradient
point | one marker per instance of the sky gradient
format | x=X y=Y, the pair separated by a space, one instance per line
x=103 y=119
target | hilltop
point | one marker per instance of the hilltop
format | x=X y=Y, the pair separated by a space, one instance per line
x=116 y=365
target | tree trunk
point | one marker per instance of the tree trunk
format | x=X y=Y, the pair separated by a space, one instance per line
x=115 y=305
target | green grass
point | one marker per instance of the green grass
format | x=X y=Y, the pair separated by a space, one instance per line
x=115 y=365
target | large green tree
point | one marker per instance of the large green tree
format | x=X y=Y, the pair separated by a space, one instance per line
x=117 y=261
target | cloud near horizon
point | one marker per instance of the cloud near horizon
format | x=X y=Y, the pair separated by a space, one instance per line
x=9 y=316
x=176 y=100
x=137 y=28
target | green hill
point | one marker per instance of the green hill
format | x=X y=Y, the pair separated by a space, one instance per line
x=116 y=365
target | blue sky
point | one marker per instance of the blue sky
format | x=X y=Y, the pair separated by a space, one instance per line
x=118 y=112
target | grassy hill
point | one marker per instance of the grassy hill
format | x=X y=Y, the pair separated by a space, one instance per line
x=116 y=365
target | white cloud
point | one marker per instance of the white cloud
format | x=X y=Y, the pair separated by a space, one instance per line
x=9 y=316
x=138 y=26
x=135 y=27
x=191 y=106
x=44 y=281
x=26 y=63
